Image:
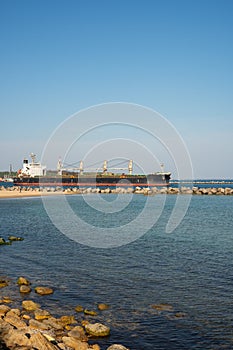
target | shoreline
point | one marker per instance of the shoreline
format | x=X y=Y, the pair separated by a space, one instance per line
x=26 y=324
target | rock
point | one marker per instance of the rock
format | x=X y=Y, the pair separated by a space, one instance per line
x=162 y=307
x=40 y=342
x=66 y=320
x=2 y=240
x=53 y=323
x=26 y=317
x=24 y=289
x=180 y=315
x=79 y=308
x=78 y=333
x=4 y=309
x=74 y=343
x=3 y=282
x=97 y=329
x=16 y=337
x=49 y=337
x=15 y=321
x=103 y=306
x=43 y=290
x=38 y=325
x=14 y=312
x=14 y=238
x=95 y=347
x=90 y=312
x=41 y=314
x=6 y=300
x=30 y=305
x=23 y=281
x=117 y=347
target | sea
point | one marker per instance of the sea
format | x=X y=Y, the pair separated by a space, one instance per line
x=165 y=290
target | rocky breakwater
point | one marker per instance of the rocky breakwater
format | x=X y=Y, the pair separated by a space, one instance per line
x=29 y=327
x=28 y=191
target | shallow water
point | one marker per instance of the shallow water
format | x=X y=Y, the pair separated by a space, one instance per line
x=190 y=269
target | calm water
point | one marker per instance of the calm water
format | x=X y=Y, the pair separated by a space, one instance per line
x=190 y=269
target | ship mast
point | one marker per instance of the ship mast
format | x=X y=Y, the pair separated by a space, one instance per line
x=33 y=156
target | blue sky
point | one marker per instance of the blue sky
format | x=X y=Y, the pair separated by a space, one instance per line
x=175 y=57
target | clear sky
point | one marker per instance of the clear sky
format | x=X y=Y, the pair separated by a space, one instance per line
x=174 y=56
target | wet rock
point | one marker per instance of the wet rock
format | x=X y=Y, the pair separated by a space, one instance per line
x=3 y=282
x=162 y=307
x=66 y=320
x=103 y=306
x=7 y=300
x=97 y=329
x=23 y=281
x=14 y=238
x=30 y=305
x=90 y=312
x=41 y=314
x=2 y=241
x=180 y=315
x=117 y=347
x=79 y=308
x=24 y=289
x=44 y=290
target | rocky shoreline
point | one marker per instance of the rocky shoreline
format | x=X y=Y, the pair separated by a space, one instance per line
x=30 y=327
x=15 y=191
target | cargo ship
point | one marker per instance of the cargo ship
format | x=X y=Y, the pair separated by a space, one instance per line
x=34 y=174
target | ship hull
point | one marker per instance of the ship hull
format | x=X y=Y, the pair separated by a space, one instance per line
x=151 y=180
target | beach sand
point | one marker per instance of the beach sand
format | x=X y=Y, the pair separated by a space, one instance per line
x=16 y=193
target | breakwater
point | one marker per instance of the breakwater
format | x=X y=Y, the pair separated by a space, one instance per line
x=15 y=191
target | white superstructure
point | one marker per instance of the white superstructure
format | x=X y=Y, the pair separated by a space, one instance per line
x=32 y=169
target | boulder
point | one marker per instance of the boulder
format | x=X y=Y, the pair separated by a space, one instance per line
x=41 y=314
x=103 y=306
x=90 y=312
x=6 y=300
x=66 y=320
x=15 y=321
x=40 y=342
x=16 y=337
x=74 y=343
x=44 y=290
x=117 y=347
x=78 y=333
x=97 y=329
x=4 y=309
x=24 y=289
x=53 y=323
x=14 y=238
x=34 y=324
x=3 y=282
x=79 y=308
x=23 y=281
x=30 y=305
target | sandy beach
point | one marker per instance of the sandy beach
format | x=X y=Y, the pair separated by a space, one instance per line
x=16 y=193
